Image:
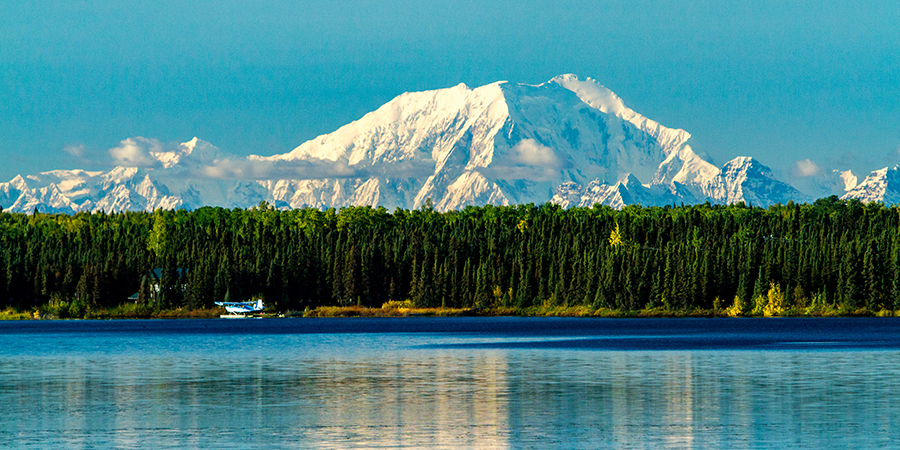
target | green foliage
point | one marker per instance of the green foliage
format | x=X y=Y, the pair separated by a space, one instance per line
x=158 y=238
x=831 y=257
x=131 y=310
x=759 y=305
x=77 y=309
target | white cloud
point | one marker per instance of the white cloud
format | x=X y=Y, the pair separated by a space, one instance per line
x=530 y=152
x=527 y=160
x=135 y=152
x=260 y=169
x=76 y=150
x=807 y=168
x=200 y=158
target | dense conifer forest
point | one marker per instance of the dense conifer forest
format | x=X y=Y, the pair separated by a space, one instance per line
x=744 y=260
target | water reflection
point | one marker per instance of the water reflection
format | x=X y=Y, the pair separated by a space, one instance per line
x=307 y=391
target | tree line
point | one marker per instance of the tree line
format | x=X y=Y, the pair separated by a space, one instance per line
x=835 y=252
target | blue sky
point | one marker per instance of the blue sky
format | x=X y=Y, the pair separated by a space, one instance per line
x=778 y=80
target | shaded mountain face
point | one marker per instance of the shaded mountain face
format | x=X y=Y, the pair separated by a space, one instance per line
x=570 y=140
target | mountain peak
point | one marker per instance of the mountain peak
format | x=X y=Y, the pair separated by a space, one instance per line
x=742 y=162
x=849 y=179
x=882 y=185
x=593 y=93
x=598 y=96
x=570 y=140
x=188 y=147
x=18 y=182
x=746 y=179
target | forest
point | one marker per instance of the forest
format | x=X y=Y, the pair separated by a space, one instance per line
x=839 y=255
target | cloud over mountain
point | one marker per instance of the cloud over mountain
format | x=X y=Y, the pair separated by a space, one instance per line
x=807 y=168
x=136 y=152
x=233 y=168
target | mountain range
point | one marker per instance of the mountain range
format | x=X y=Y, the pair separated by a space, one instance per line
x=569 y=140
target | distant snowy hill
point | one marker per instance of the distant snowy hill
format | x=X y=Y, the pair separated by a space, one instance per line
x=170 y=182
x=880 y=186
x=569 y=140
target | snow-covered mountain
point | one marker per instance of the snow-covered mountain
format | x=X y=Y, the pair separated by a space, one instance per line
x=569 y=140
x=880 y=186
x=742 y=179
x=169 y=181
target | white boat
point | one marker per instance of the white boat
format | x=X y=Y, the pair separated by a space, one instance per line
x=241 y=309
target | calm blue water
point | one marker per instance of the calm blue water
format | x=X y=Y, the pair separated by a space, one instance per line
x=451 y=383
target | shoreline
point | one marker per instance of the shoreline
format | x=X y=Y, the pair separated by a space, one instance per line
x=357 y=311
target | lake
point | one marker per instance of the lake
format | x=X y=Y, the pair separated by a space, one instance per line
x=451 y=383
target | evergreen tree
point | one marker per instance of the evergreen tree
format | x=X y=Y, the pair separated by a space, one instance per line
x=144 y=295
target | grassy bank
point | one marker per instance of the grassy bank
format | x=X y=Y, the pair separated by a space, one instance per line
x=578 y=311
x=124 y=311
x=358 y=311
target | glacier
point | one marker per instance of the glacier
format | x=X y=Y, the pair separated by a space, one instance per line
x=570 y=140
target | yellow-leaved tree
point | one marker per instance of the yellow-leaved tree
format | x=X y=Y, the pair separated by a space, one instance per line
x=738 y=308
x=775 y=305
x=615 y=237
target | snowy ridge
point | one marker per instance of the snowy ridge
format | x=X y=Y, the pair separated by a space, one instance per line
x=599 y=97
x=879 y=186
x=742 y=179
x=569 y=140
x=745 y=179
x=626 y=192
